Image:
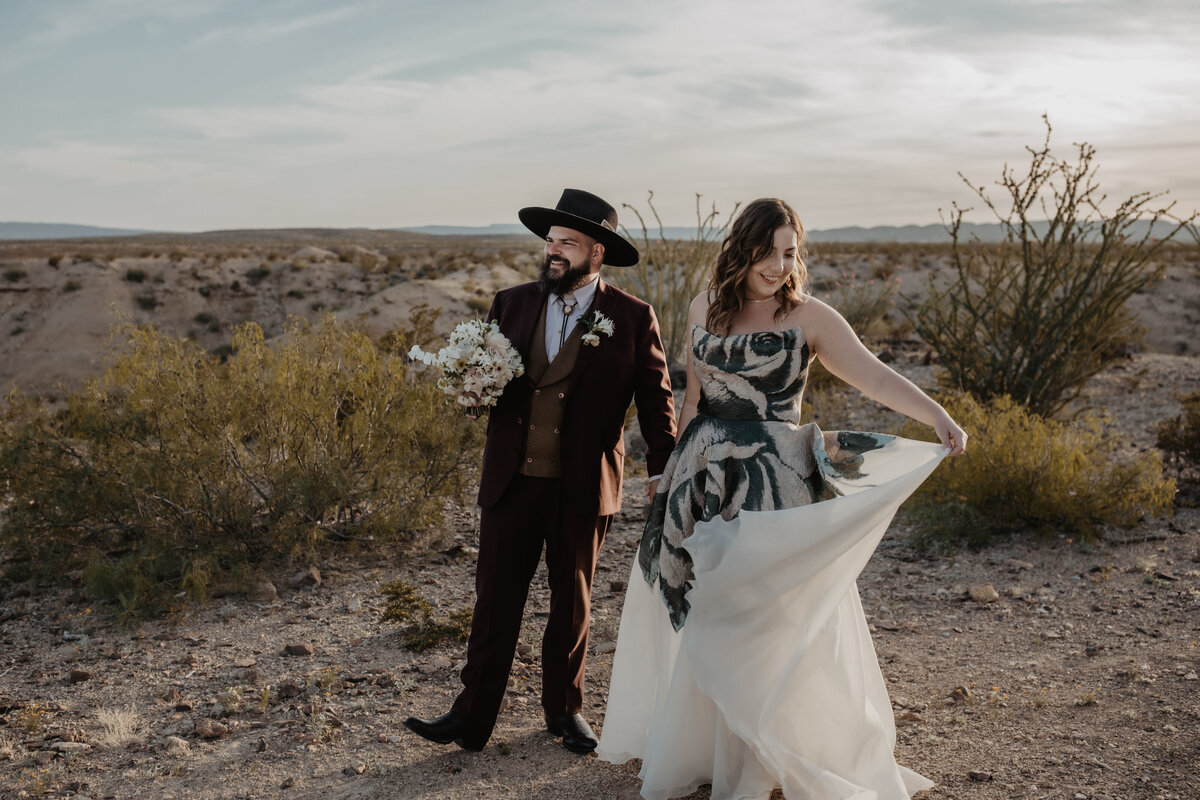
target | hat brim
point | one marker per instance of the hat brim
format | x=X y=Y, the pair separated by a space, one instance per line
x=618 y=252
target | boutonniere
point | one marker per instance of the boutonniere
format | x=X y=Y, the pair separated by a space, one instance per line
x=594 y=323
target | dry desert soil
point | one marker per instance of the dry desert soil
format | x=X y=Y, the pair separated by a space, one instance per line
x=1075 y=678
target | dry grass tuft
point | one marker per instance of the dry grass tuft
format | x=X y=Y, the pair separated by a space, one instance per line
x=120 y=727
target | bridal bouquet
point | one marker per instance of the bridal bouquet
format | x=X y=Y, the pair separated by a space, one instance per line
x=476 y=365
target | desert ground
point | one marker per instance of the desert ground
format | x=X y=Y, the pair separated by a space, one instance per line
x=1075 y=678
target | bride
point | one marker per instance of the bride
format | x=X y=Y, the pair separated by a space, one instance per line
x=743 y=658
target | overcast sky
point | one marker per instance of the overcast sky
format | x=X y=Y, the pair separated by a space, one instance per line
x=202 y=114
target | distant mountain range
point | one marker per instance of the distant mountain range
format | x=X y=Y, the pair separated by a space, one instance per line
x=54 y=230
x=881 y=233
x=910 y=234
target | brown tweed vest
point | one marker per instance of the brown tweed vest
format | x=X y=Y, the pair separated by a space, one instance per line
x=550 y=379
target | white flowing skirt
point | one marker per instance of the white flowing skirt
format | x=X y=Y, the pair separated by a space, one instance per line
x=773 y=680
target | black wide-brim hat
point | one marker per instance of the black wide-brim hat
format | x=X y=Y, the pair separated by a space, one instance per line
x=584 y=212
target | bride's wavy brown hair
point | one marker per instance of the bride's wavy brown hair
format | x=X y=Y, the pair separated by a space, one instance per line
x=751 y=239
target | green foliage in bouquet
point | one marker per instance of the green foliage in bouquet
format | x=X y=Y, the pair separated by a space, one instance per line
x=175 y=468
x=423 y=630
x=1024 y=472
x=1038 y=314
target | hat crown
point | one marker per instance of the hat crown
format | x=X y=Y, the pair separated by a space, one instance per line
x=584 y=212
x=588 y=206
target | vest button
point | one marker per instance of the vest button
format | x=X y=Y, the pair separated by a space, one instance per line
x=532 y=426
x=520 y=421
x=537 y=391
x=556 y=430
x=561 y=395
x=529 y=461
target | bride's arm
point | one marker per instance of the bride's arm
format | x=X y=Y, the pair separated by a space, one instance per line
x=833 y=341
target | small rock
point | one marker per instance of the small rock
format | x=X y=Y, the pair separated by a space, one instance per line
x=287 y=783
x=261 y=747
x=245 y=663
x=309 y=578
x=604 y=647
x=209 y=729
x=43 y=756
x=299 y=649
x=1191 y=676
x=70 y=747
x=426 y=669
x=616 y=586
x=960 y=694
x=979 y=777
x=1016 y=565
x=357 y=769
x=983 y=593
x=354 y=605
x=441 y=662
x=908 y=717
x=263 y=592
x=185 y=705
x=177 y=746
x=524 y=650
x=79 y=675
x=290 y=689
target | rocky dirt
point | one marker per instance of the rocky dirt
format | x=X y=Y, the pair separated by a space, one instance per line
x=1037 y=668
x=1032 y=669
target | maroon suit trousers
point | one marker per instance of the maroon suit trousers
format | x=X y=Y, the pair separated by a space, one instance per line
x=511 y=535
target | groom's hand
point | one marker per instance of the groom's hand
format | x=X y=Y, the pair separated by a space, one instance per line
x=651 y=488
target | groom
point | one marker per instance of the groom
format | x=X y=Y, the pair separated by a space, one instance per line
x=553 y=460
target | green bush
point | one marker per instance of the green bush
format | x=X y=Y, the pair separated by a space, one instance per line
x=1035 y=316
x=256 y=274
x=1022 y=471
x=175 y=468
x=146 y=302
x=13 y=275
x=422 y=628
x=1180 y=437
x=135 y=275
x=672 y=271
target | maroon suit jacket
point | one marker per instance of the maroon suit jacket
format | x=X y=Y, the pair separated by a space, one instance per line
x=628 y=366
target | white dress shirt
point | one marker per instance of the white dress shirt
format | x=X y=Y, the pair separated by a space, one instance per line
x=555 y=324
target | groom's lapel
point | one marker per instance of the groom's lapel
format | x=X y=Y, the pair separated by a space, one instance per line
x=602 y=304
x=531 y=308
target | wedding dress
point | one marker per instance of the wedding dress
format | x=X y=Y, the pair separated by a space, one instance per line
x=743 y=658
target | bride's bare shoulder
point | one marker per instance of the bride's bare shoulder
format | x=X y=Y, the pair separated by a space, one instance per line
x=698 y=310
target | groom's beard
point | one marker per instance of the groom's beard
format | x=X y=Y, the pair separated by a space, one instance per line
x=571 y=277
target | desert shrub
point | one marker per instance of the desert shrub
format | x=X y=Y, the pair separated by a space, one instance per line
x=135 y=275
x=1023 y=471
x=1036 y=315
x=72 y=286
x=1180 y=437
x=480 y=305
x=54 y=260
x=865 y=303
x=419 y=331
x=295 y=293
x=406 y=606
x=672 y=271
x=174 y=469
x=146 y=302
x=13 y=275
x=256 y=274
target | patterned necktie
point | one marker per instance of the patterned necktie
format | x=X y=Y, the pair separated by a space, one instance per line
x=568 y=303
